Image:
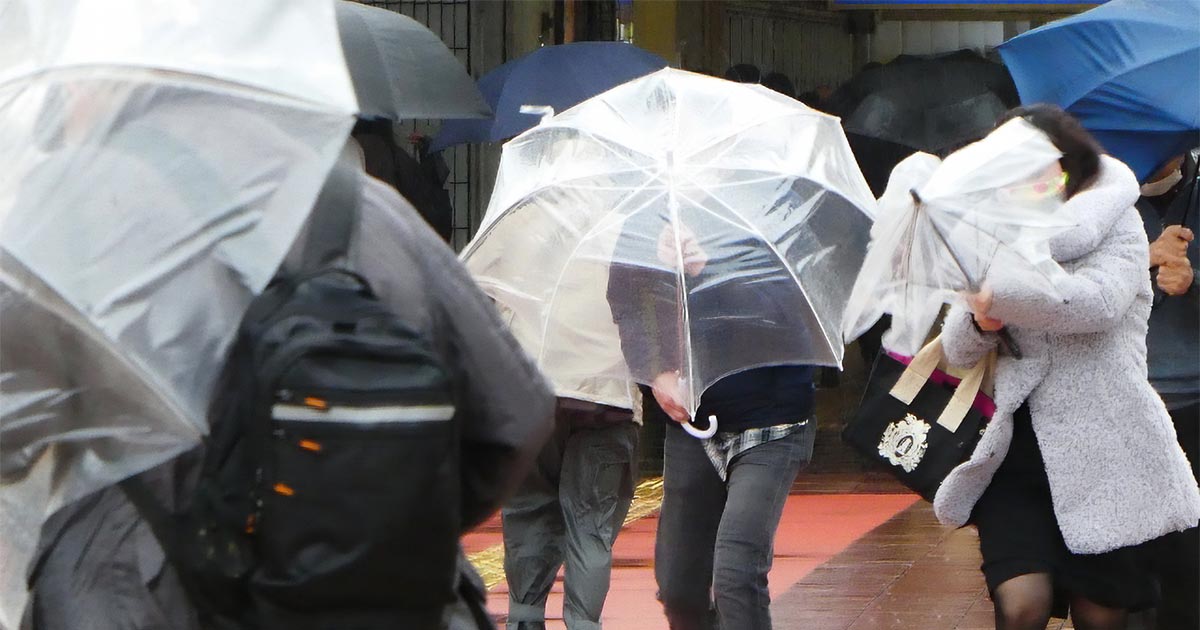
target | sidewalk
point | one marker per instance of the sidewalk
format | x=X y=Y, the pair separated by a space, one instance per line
x=853 y=552
x=820 y=520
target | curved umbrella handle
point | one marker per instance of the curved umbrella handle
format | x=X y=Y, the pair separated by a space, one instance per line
x=702 y=433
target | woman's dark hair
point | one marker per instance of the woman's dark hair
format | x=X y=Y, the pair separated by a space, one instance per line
x=1081 y=152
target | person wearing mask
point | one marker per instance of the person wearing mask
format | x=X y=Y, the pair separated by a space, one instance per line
x=1079 y=465
x=1169 y=207
x=724 y=496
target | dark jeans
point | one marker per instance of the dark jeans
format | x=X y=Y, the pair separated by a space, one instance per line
x=569 y=511
x=716 y=538
x=1178 y=554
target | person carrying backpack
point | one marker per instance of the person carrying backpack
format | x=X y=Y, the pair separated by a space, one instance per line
x=410 y=417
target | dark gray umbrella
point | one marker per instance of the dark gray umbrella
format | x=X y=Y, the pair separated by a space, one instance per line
x=401 y=69
x=931 y=104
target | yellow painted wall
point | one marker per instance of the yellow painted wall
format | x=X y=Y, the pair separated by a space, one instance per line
x=654 y=26
x=524 y=24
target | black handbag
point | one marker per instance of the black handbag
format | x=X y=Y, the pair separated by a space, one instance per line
x=918 y=421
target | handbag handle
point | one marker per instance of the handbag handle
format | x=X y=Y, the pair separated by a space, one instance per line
x=964 y=395
x=921 y=368
x=918 y=371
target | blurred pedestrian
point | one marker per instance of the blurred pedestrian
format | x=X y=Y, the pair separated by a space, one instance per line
x=1169 y=207
x=780 y=83
x=810 y=99
x=568 y=511
x=824 y=91
x=419 y=178
x=99 y=564
x=743 y=73
x=817 y=98
x=1079 y=465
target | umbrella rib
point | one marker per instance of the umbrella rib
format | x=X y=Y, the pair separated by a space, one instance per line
x=771 y=246
x=681 y=295
x=777 y=175
x=489 y=226
x=567 y=261
x=908 y=260
x=601 y=140
x=743 y=129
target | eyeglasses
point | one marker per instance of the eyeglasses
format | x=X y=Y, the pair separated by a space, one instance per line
x=1042 y=188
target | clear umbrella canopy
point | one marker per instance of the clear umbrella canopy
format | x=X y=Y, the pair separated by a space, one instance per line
x=156 y=162
x=942 y=225
x=677 y=224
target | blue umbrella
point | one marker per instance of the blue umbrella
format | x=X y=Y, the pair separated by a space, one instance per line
x=558 y=76
x=1129 y=70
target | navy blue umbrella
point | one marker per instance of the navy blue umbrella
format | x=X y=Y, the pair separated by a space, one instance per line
x=1129 y=70
x=558 y=76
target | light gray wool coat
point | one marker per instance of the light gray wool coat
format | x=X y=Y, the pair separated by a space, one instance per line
x=1117 y=474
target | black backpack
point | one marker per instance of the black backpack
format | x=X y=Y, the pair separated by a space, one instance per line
x=329 y=494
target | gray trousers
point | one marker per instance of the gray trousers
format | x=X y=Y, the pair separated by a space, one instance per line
x=569 y=511
x=716 y=539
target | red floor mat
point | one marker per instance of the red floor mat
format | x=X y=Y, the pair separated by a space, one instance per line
x=814 y=528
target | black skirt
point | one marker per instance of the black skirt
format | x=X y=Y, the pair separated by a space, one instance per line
x=1019 y=535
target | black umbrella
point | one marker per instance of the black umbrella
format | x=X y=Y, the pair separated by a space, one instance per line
x=933 y=104
x=402 y=70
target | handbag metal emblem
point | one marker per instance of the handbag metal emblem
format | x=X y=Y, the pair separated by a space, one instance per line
x=904 y=442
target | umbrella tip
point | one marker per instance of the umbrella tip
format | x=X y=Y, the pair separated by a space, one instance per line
x=916 y=197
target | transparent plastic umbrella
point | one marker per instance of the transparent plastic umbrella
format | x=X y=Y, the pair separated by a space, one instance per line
x=156 y=163
x=942 y=225
x=677 y=224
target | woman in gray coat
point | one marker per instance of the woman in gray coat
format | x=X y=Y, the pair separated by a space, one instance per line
x=1080 y=462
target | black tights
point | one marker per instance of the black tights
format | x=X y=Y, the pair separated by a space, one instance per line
x=1024 y=603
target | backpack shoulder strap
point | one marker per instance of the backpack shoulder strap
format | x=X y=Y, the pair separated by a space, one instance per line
x=333 y=216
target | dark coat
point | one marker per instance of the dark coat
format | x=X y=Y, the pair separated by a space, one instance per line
x=100 y=566
x=1173 y=343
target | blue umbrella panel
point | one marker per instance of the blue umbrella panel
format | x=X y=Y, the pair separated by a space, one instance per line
x=1128 y=69
x=557 y=76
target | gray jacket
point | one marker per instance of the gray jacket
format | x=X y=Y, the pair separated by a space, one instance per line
x=101 y=566
x=1117 y=475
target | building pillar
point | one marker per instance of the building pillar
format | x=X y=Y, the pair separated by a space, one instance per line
x=655 y=28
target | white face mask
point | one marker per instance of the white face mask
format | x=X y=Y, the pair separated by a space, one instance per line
x=1154 y=189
